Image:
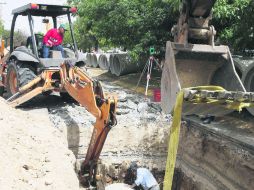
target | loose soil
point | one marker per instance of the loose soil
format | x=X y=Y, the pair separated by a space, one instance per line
x=33 y=154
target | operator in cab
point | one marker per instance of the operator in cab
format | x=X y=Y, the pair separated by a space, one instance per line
x=143 y=177
x=53 y=40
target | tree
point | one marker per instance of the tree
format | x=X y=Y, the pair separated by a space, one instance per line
x=134 y=25
x=138 y=24
x=19 y=37
x=234 y=21
x=83 y=38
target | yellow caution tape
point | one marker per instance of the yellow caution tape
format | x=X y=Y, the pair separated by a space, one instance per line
x=176 y=123
x=173 y=142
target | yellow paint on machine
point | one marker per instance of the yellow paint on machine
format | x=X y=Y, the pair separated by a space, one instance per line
x=173 y=142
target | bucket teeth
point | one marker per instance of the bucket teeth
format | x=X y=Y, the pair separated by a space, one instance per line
x=206 y=95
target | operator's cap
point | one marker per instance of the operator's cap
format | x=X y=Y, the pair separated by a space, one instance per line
x=63 y=26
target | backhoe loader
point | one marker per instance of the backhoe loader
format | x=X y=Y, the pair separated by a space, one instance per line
x=193 y=59
x=25 y=74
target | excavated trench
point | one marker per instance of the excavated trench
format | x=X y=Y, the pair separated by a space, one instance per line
x=140 y=135
x=219 y=155
x=215 y=156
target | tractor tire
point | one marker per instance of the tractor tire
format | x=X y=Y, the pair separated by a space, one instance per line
x=18 y=75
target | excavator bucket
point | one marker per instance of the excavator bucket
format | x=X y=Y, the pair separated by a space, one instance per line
x=193 y=59
x=197 y=65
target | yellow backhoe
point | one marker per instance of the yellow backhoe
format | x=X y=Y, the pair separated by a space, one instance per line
x=26 y=74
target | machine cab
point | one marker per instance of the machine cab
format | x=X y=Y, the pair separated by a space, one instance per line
x=32 y=49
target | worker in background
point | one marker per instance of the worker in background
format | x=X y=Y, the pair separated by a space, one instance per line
x=53 y=39
x=143 y=177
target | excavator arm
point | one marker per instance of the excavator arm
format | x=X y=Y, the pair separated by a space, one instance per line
x=193 y=59
x=193 y=23
x=88 y=93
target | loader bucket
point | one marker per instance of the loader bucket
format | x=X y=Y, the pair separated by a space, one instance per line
x=197 y=65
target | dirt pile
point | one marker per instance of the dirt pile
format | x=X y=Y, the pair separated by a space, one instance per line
x=33 y=154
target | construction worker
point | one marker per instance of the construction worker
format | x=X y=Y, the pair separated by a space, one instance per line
x=53 y=39
x=143 y=177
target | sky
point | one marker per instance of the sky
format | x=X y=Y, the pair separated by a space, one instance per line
x=22 y=22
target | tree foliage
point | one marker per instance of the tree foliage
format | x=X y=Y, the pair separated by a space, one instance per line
x=83 y=38
x=19 y=37
x=138 y=24
x=133 y=25
x=234 y=21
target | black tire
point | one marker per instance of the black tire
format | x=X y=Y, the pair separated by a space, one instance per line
x=24 y=74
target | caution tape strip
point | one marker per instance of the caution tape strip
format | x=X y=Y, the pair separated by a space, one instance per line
x=176 y=123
